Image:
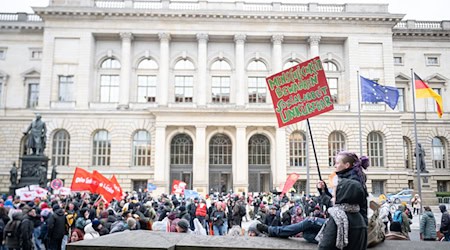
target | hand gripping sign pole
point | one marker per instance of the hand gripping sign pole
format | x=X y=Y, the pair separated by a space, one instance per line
x=299 y=93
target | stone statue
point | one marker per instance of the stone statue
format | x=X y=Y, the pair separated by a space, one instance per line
x=421 y=158
x=13 y=174
x=37 y=132
x=54 y=173
x=42 y=176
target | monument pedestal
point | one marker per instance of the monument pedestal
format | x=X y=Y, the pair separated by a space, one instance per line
x=32 y=169
x=428 y=195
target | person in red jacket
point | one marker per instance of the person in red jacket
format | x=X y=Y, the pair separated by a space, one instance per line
x=201 y=211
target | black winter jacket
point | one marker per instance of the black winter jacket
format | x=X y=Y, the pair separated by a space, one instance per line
x=26 y=232
x=57 y=225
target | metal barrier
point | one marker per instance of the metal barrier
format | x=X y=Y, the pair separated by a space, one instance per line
x=444 y=200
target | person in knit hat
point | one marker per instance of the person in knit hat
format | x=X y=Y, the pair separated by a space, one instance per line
x=131 y=222
x=183 y=226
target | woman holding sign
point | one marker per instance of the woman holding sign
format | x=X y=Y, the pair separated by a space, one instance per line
x=348 y=166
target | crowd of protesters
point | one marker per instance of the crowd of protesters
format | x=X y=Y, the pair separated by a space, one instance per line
x=52 y=222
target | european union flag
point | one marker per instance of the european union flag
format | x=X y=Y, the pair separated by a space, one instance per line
x=374 y=92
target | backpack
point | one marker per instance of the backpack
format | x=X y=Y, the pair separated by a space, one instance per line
x=397 y=217
x=12 y=229
x=242 y=210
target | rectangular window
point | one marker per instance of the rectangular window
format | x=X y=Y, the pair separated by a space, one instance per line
x=220 y=87
x=377 y=187
x=109 y=88
x=33 y=95
x=257 y=90
x=333 y=85
x=36 y=54
x=431 y=103
x=184 y=88
x=398 y=60
x=432 y=61
x=401 y=100
x=442 y=186
x=146 y=89
x=66 y=89
x=2 y=54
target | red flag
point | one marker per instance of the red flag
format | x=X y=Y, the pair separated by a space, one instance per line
x=292 y=178
x=178 y=187
x=116 y=187
x=83 y=181
x=105 y=187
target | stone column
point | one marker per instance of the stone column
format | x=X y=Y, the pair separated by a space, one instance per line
x=277 y=60
x=162 y=89
x=87 y=42
x=241 y=83
x=161 y=170
x=279 y=172
x=202 y=61
x=314 y=46
x=200 y=170
x=240 y=169
x=45 y=83
x=125 y=70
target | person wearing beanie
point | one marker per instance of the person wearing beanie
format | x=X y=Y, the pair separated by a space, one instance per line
x=445 y=222
x=131 y=222
x=346 y=228
x=183 y=226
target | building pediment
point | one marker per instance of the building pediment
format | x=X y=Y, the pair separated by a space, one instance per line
x=33 y=72
x=436 y=78
x=402 y=78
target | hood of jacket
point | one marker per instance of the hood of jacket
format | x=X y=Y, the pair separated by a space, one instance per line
x=59 y=212
x=443 y=208
x=89 y=229
x=428 y=214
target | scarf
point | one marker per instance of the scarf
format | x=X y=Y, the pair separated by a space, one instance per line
x=341 y=220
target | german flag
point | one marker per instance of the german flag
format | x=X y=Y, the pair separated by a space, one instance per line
x=424 y=91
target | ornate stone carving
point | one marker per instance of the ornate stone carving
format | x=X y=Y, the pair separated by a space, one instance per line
x=314 y=40
x=126 y=36
x=202 y=37
x=164 y=36
x=277 y=39
x=240 y=38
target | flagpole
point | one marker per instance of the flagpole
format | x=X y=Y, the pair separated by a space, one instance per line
x=359 y=113
x=413 y=87
x=307 y=168
x=314 y=149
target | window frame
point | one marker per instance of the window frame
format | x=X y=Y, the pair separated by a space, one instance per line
x=109 y=67
x=429 y=56
x=141 y=157
x=100 y=159
x=260 y=74
x=377 y=160
x=335 y=145
x=259 y=150
x=61 y=148
x=180 y=71
x=222 y=74
x=439 y=163
x=151 y=72
x=70 y=88
x=298 y=145
x=220 y=150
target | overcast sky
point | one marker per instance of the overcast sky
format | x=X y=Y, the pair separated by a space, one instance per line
x=435 y=10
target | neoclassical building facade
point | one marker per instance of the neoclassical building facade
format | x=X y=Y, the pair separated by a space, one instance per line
x=153 y=91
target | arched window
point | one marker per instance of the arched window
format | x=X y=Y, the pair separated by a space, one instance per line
x=141 y=149
x=438 y=153
x=375 y=148
x=101 y=148
x=109 y=80
x=147 y=71
x=297 y=149
x=220 y=81
x=331 y=70
x=60 y=148
x=181 y=150
x=336 y=144
x=407 y=152
x=290 y=64
x=184 y=81
x=220 y=150
x=257 y=89
x=259 y=150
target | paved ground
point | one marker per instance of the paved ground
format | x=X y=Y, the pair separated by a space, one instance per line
x=415 y=226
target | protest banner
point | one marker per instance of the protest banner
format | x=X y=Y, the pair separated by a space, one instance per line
x=300 y=92
x=191 y=194
x=105 y=187
x=63 y=191
x=178 y=187
x=151 y=187
x=290 y=181
x=27 y=195
x=117 y=187
x=83 y=181
x=19 y=191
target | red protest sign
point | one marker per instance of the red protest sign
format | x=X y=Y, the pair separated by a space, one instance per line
x=82 y=181
x=290 y=181
x=178 y=187
x=300 y=92
x=105 y=186
x=56 y=184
